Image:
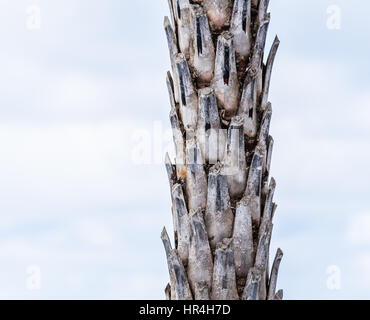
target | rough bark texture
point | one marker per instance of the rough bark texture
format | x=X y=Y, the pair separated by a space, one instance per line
x=222 y=194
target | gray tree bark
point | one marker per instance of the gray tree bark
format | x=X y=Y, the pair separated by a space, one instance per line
x=221 y=190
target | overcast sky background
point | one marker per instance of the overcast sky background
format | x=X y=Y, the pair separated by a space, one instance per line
x=75 y=94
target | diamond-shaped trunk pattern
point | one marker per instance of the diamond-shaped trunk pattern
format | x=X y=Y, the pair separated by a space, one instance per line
x=221 y=190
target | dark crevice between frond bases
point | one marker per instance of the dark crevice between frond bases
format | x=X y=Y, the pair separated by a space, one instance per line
x=182 y=90
x=244 y=19
x=254 y=15
x=207 y=115
x=250 y=113
x=178 y=9
x=226 y=71
x=218 y=196
x=199 y=37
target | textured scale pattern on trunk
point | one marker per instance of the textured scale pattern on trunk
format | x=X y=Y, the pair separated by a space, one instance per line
x=221 y=189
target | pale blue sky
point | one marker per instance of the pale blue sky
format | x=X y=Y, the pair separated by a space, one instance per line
x=74 y=94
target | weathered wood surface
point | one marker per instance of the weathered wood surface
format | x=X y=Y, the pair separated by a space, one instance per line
x=219 y=217
x=221 y=185
x=200 y=268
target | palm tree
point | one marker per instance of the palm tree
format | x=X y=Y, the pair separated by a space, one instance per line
x=222 y=194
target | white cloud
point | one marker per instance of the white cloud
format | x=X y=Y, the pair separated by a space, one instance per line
x=95 y=232
x=360 y=274
x=359 y=230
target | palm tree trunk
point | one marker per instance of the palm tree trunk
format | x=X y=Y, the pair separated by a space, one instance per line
x=222 y=194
